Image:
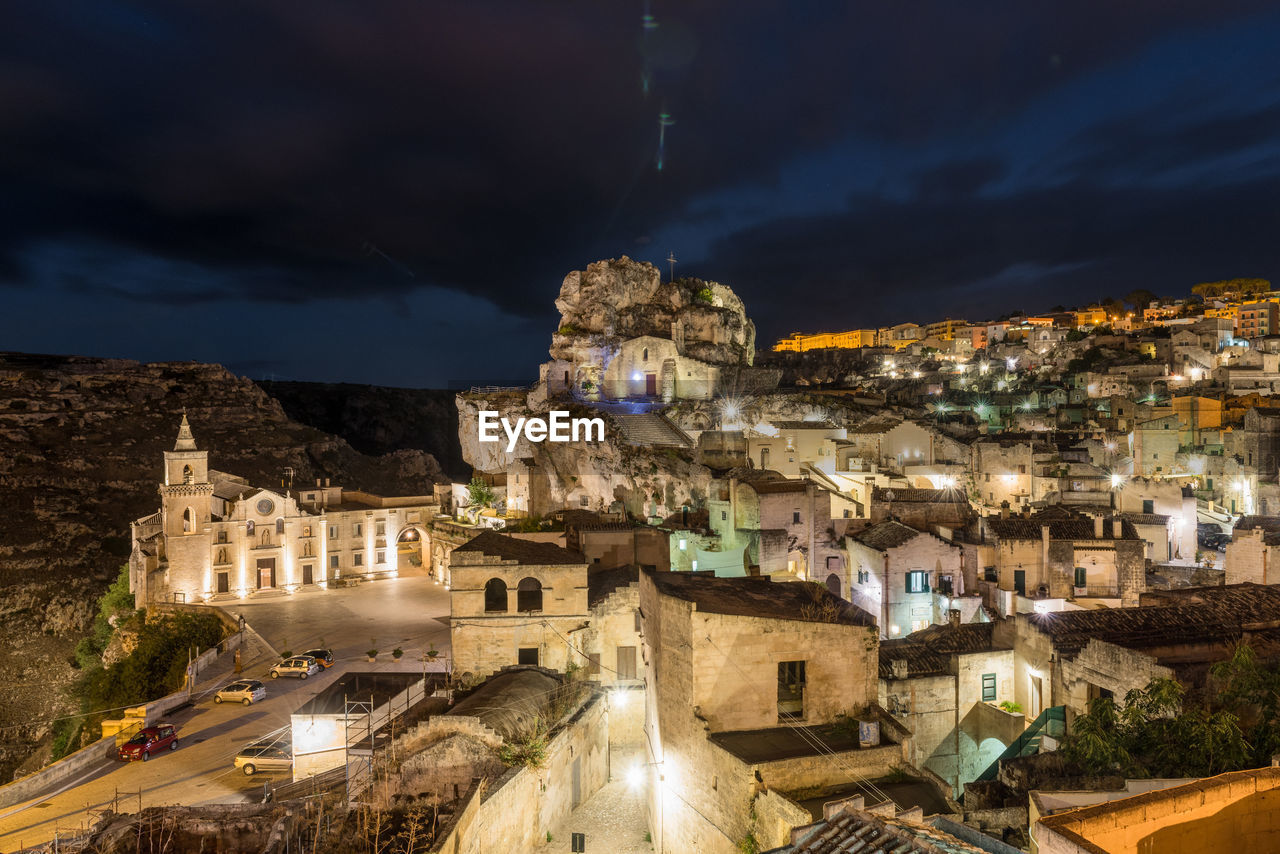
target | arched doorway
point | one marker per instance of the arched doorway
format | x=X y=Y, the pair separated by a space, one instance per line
x=833 y=584
x=413 y=551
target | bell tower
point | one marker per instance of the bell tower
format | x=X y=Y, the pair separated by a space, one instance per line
x=186 y=492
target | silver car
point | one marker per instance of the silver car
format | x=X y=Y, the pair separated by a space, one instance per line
x=245 y=691
x=264 y=757
x=301 y=666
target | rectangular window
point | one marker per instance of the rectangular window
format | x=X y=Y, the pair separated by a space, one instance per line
x=723 y=515
x=1081 y=580
x=988 y=687
x=593 y=664
x=382 y=529
x=790 y=690
x=944 y=584
x=918 y=581
x=795 y=517
x=684 y=544
x=1148 y=505
x=381 y=556
x=637 y=621
x=333 y=532
x=357 y=530
x=357 y=559
x=333 y=561
x=527 y=655
x=626 y=662
x=222 y=536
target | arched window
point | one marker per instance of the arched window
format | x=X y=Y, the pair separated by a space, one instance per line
x=764 y=458
x=248 y=527
x=280 y=526
x=495 y=595
x=188 y=476
x=644 y=354
x=833 y=584
x=529 y=595
x=188 y=521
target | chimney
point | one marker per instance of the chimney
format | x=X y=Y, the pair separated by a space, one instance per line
x=953 y=618
x=1097 y=527
x=899 y=666
x=317 y=483
x=326 y=483
x=1004 y=509
x=1117 y=527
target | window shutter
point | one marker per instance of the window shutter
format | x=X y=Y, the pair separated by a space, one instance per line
x=908 y=582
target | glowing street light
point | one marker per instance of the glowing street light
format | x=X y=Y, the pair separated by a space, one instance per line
x=1117 y=480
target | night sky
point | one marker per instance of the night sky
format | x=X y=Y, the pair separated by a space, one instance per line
x=391 y=192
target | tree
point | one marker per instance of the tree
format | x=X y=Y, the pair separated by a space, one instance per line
x=1140 y=298
x=1232 y=287
x=480 y=493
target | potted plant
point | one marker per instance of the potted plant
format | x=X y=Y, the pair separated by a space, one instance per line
x=396 y=653
x=433 y=653
x=372 y=653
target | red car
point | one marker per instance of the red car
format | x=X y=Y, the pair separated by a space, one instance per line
x=151 y=740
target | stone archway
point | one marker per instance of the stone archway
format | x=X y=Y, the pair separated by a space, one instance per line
x=413 y=551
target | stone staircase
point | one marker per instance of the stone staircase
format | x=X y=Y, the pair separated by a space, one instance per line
x=651 y=430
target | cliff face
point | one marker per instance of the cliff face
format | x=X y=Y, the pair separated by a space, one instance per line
x=379 y=419
x=614 y=300
x=81 y=444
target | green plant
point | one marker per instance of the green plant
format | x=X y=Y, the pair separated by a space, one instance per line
x=648 y=837
x=433 y=653
x=530 y=751
x=372 y=653
x=548 y=837
x=397 y=652
x=480 y=493
x=704 y=295
x=287 y=653
x=1011 y=707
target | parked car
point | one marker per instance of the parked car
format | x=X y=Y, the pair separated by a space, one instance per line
x=301 y=666
x=245 y=691
x=151 y=740
x=324 y=656
x=264 y=757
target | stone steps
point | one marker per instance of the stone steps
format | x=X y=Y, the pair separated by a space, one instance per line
x=651 y=430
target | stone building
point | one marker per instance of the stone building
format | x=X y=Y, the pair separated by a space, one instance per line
x=515 y=601
x=786 y=446
x=896 y=571
x=923 y=509
x=1061 y=554
x=945 y=684
x=1253 y=551
x=1070 y=657
x=783 y=525
x=215 y=535
x=746 y=680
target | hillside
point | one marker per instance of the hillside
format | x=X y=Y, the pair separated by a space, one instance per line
x=81 y=441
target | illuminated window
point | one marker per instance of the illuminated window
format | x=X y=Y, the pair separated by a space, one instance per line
x=917 y=581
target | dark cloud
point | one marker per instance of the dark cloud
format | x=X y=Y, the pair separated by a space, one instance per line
x=184 y=153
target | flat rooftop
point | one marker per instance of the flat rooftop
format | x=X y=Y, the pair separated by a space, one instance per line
x=760 y=597
x=358 y=687
x=773 y=744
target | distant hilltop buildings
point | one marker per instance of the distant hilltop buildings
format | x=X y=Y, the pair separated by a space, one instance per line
x=1253 y=309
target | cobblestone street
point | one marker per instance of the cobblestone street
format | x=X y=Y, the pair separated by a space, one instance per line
x=613 y=818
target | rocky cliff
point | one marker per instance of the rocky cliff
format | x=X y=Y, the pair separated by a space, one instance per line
x=617 y=299
x=81 y=444
x=379 y=419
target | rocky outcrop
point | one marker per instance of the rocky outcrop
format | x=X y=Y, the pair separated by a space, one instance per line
x=618 y=299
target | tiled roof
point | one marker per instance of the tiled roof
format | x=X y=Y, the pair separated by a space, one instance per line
x=1145 y=518
x=928 y=651
x=757 y=597
x=769 y=487
x=804 y=425
x=1063 y=525
x=1270 y=524
x=872 y=427
x=602 y=582
x=887 y=535
x=1209 y=613
x=523 y=552
x=910 y=494
x=852 y=831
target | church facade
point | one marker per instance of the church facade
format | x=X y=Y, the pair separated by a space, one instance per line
x=216 y=536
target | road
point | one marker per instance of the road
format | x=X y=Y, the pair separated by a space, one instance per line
x=409 y=612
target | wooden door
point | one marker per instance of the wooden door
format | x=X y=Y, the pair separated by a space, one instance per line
x=651 y=384
x=266 y=572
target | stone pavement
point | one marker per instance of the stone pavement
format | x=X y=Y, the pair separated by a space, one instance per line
x=613 y=819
